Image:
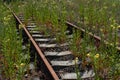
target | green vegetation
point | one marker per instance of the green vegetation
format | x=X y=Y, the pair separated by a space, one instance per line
x=100 y=17
x=14 y=62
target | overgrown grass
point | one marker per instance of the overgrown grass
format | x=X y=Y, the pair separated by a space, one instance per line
x=14 y=63
x=101 y=17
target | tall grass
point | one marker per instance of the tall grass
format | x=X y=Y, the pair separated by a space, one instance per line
x=14 y=63
x=101 y=17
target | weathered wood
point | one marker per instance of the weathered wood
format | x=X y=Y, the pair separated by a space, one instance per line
x=37 y=35
x=64 y=63
x=32 y=26
x=48 y=39
x=73 y=76
x=52 y=45
x=63 y=53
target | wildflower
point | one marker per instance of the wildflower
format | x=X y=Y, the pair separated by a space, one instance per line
x=118 y=26
x=22 y=64
x=88 y=55
x=101 y=30
x=93 y=26
x=97 y=56
x=20 y=26
x=112 y=26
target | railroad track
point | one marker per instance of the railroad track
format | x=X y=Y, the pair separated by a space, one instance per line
x=57 y=61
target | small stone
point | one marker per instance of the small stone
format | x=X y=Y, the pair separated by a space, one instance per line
x=35 y=78
x=31 y=66
x=26 y=75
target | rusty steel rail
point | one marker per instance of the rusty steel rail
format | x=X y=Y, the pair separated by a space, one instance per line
x=96 y=37
x=54 y=75
x=92 y=35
